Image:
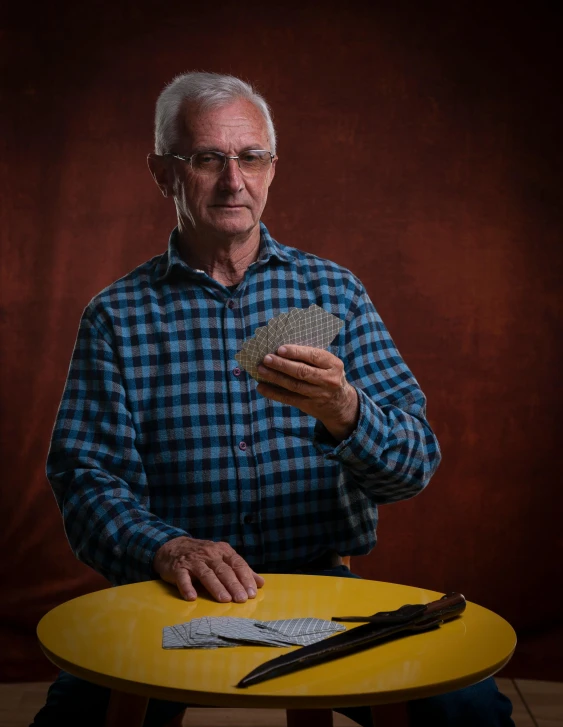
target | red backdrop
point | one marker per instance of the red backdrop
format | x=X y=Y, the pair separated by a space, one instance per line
x=418 y=147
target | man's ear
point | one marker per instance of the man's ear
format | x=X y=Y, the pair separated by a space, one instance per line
x=272 y=170
x=161 y=173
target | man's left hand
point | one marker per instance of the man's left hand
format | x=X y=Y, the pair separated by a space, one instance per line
x=313 y=380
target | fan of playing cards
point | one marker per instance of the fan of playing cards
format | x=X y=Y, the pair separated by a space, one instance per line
x=213 y=632
x=311 y=326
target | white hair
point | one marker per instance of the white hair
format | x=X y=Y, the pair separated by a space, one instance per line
x=207 y=90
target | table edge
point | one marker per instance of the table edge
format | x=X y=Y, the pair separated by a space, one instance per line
x=261 y=701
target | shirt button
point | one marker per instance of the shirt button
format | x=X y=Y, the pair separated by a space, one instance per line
x=248 y=519
x=242 y=445
x=236 y=371
x=231 y=303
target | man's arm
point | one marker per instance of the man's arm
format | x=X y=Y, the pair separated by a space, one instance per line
x=95 y=469
x=101 y=487
x=370 y=411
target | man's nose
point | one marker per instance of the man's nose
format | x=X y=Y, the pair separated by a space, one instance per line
x=231 y=177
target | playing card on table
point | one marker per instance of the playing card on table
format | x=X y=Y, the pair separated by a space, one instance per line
x=204 y=635
x=213 y=632
x=244 y=630
x=301 y=631
x=171 y=639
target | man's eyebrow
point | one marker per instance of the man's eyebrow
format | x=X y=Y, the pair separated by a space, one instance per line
x=247 y=147
x=257 y=146
x=198 y=149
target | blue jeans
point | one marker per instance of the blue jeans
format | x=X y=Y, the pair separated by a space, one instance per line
x=74 y=702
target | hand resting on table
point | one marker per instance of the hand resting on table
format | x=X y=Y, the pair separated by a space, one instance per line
x=220 y=569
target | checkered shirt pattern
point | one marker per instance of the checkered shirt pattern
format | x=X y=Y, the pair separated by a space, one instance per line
x=160 y=434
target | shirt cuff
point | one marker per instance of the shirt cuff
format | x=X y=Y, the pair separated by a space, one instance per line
x=365 y=445
x=143 y=547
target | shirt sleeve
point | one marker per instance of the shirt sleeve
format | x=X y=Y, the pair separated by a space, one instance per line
x=393 y=452
x=95 y=469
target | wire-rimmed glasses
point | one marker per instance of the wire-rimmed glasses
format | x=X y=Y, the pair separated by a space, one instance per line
x=212 y=163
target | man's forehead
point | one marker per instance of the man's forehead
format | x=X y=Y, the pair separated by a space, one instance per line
x=237 y=121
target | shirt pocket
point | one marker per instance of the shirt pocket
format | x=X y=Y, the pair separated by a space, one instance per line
x=290 y=420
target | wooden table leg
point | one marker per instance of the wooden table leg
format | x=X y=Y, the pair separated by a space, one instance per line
x=390 y=715
x=309 y=717
x=126 y=710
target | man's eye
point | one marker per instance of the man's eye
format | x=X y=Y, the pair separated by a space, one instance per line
x=250 y=157
x=206 y=158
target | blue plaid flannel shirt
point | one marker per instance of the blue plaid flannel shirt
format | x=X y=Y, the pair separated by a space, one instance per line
x=160 y=434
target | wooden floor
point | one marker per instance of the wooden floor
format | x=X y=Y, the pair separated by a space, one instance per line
x=536 y=704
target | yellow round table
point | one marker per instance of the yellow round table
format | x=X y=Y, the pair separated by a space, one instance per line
x=113 y=638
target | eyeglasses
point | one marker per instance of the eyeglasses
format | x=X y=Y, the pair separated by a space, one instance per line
x=212 y=163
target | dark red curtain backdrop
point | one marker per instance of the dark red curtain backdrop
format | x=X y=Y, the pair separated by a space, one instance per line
x=420 y=147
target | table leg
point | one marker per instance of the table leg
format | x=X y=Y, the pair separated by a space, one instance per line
x=308 y=717
x=390 y=715
x=126 y=710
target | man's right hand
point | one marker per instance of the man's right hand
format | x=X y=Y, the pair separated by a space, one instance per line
x=219 y=568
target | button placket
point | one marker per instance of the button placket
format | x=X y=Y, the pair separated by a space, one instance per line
x=247 y=474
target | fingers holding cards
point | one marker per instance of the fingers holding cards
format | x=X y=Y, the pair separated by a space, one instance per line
x=311 y=327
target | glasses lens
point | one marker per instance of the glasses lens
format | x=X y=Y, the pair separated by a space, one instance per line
x=254 y=162
x=208 y=162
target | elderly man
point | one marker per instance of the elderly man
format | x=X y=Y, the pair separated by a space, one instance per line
x=168 y=461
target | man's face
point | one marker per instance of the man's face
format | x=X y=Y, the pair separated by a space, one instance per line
x=229 y=204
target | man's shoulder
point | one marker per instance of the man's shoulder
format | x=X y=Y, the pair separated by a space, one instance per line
x=127 y=290
x=318 y=267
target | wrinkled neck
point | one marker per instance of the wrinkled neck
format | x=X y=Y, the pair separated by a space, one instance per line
x=223 y=259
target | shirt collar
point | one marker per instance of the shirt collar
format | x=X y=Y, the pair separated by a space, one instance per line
x=171 y=261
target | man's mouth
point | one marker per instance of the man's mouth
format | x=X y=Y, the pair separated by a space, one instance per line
x=230 y=206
